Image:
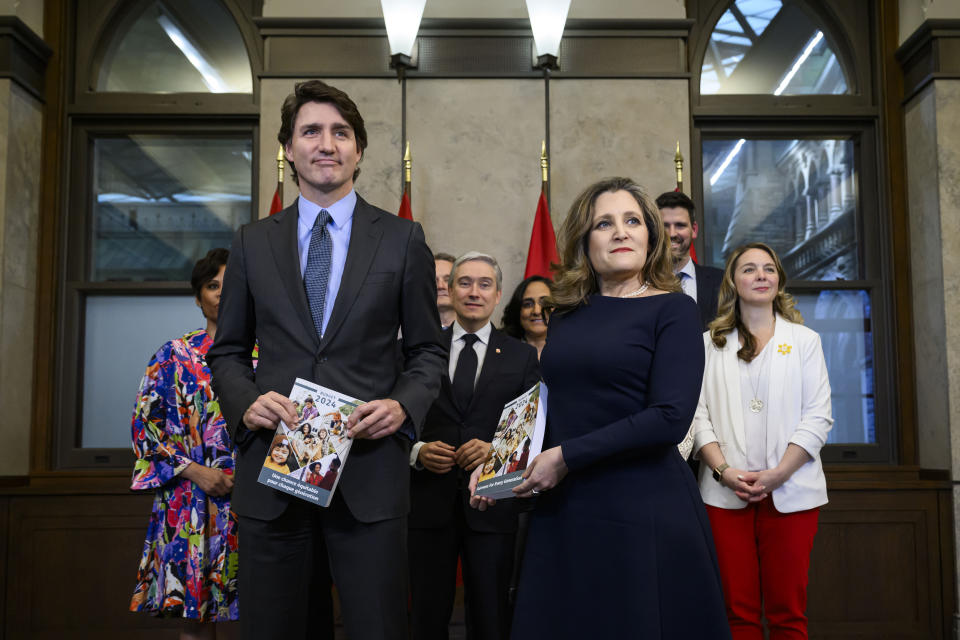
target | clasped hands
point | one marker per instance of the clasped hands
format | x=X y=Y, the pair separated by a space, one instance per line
x=752 y=486
x=439 y=457
x=371 y=420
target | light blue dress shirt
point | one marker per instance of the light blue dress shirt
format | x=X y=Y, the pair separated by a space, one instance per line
x=339 y=228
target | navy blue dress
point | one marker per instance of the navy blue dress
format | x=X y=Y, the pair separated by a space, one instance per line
x=622 y=548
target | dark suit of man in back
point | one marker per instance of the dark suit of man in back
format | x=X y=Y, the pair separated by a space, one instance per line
x=323 y=287
x=699 y=282
x=456 y=437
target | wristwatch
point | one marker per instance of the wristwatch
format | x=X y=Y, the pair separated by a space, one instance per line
x=718 y=472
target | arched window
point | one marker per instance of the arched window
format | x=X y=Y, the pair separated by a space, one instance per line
x=169 y=46
x=770 y=47
x=788 y=157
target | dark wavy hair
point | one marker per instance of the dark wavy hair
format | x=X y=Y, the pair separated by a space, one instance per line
x=679 y=200
x=207 y=269
x=317 y=91
x=510 y=322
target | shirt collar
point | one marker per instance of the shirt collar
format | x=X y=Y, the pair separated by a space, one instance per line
x=340 y=211
x=688 y=269
x=483 y=334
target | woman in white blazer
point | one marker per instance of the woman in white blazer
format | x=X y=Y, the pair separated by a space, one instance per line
x=763 y=416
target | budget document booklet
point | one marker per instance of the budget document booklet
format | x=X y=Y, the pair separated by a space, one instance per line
x=518 y=440
x=306 y=459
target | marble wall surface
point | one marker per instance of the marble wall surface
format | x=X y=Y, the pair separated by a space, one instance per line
x=948 y=161
x=30 y=11
x=912 y=13
x=380 y=174
x=602 y=128
x=476 y=148
x=926 y=250
x=20 y=131
x=932 y=124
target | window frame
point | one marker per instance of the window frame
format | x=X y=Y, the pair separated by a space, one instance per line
x=87 y=115
x=856 y=116
x=77 y=251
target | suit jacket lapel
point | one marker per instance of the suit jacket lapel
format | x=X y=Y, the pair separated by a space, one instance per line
x=702 y=288
x=731 y=372
x=283 y=241
x=364 y=240
x=450 y=404
x=491 y=364
x=698 y=274
x=777 y=386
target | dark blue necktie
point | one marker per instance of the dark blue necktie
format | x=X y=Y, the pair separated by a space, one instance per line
x=317 y=274
x=465 y=373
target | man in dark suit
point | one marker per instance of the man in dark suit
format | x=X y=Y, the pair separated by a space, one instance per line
x=486 y=369
x=323 y=287
x=699 y=282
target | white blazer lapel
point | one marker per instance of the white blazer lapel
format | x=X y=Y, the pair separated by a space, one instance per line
x=778 y=394
x=731 y=374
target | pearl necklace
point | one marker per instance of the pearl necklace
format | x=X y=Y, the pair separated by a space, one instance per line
x=639 y=292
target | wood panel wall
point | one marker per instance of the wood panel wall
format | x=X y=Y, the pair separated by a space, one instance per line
x=882 y=564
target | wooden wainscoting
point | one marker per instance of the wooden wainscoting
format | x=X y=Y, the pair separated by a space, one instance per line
x=882 y=564
x=71 y=566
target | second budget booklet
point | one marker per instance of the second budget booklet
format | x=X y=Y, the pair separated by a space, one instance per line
x=306 y=460
x=518 y=440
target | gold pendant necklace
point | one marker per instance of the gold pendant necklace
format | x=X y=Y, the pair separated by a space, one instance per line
x=756 y=404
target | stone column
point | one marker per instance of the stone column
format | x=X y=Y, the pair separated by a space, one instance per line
x=932 y=121
x=836 y=202
x=811 y=228
x=21 y=118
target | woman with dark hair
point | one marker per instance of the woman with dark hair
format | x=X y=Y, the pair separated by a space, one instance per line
x=525 y=316
x=304 y=443
x=763 y=416
x=184 y=454
x=623 y=367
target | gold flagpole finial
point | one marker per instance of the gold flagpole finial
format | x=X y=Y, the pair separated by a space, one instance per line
x=544 y=163
x=407 y=164
x=678 y=162
x=280 y=159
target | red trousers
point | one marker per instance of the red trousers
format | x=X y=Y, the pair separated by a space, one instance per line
x=764 y=558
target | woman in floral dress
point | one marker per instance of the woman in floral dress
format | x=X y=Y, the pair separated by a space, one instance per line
x=189 y=565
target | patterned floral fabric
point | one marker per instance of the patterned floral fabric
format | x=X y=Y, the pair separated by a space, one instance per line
x=189 y=563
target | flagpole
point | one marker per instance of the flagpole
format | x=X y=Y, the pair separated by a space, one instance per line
x=407 y=166
x=678 y=163
x=276 y=203
x=403 y=113
x=546 y=140
x=544 y=166
x=280 y=159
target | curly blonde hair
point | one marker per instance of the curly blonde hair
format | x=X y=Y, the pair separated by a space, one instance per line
x=575 y=279
x=728 y=309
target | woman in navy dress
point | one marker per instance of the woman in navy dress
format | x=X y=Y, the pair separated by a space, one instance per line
x=619 y=543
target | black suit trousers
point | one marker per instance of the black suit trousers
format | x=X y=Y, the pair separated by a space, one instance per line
x=487 y=560
x=291 y=560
